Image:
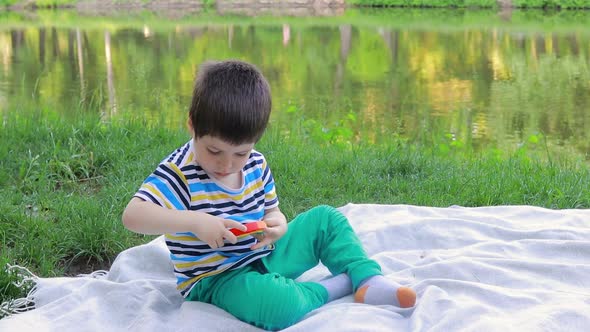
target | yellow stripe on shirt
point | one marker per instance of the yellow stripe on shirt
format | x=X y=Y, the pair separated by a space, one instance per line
x=201 y=276
x=156 y=192
x=212 y=259
x=178 y=172
x=224 y=196
x=182 y=237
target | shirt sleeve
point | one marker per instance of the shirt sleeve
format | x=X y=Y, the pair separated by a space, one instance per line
x=166 y=186
x=271 y=199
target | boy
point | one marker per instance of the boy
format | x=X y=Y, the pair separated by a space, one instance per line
x=216 y=182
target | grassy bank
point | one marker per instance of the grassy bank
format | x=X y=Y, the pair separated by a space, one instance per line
x=394 y=18
x=547 y=4
x=426 y=3
x=64 y=184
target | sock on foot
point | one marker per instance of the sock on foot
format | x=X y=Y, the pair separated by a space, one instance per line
x=337 y=286
x=379 y=290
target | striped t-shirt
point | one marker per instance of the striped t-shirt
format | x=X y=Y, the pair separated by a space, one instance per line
x=180 y=183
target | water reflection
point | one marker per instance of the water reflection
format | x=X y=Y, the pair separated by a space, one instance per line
x=485 y=88
x=112 y=105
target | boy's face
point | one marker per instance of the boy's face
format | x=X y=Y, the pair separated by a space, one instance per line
x=219 y=158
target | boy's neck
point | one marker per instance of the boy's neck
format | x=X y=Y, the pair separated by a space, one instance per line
x=232 y=181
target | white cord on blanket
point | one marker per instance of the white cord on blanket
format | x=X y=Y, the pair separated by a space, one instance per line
x=100 y=274
x=25 y=278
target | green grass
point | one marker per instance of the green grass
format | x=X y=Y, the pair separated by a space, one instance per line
x=426 y=3
x=39 y=3
x=447 y=19
x=65 y=183
x=566 y=4
x=546 y=4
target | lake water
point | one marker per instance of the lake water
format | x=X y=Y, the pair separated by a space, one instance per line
x=435 y=78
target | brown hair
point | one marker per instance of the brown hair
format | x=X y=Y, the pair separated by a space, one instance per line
x=231 y=101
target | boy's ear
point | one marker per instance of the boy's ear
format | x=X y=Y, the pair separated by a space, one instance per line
x=189 y=125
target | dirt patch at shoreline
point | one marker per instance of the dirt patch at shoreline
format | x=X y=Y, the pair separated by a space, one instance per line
x=85 y=265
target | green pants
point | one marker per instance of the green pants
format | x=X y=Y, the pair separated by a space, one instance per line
x=265 y=293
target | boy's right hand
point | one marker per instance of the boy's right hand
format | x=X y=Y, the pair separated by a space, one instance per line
x=213 y=230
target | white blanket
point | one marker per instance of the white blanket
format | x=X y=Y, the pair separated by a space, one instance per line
x=508 y=268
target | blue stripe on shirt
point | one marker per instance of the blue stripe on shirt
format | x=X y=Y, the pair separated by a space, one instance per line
x=257 y=215
x=179 y=186
x=165 y=190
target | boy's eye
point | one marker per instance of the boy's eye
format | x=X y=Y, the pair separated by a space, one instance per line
x=243 y=154
x=213 y=152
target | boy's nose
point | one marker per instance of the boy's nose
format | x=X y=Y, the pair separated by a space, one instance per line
x=225 y=164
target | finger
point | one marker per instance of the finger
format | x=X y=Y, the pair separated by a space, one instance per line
x=266 y=240
x=271 y=222
x=261 y=244
x=230 y=237
x=233 y=224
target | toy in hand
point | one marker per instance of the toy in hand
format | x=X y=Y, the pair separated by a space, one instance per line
x=256 y=227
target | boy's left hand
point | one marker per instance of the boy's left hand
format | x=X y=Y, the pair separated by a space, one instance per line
x=276 y=227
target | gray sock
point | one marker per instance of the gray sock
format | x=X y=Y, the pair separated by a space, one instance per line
x=379 y=290
x=337 y=286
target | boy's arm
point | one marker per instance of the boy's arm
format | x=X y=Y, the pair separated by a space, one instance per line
x=276 y=223
x=148 y=218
